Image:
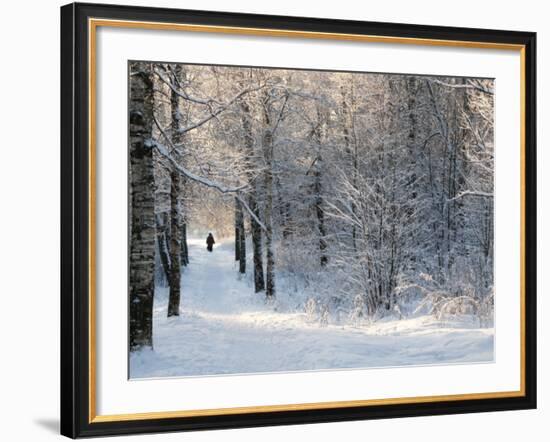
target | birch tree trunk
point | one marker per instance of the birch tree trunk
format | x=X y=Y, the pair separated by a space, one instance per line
x=256 y=230
x=259 y=281
x=175 y=191
x=175 y=246
x=320 y=135
x=142 y=244
x=268 y=177
x=162 y=241
x=237 y=231
x=184 y=257
x=413 y=152
x=242 y=250
x=284 y=210
x=350 y=143
x=320 y=214
x=240 y=239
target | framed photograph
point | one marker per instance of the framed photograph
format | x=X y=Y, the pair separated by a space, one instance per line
x=276 y=220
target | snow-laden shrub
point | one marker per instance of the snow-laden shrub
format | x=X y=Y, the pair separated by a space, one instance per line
x=312 y=310
x=359 y=305
x=317 y=311
x=487 y=309
x=398 y=312
x=445 y=306
x=323 y=314
x=358 y=311
x=454 y=306
x=429 y=300
x=445 y=299
x=295 y=262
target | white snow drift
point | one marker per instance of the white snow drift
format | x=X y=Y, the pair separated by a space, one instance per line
x=223 y=328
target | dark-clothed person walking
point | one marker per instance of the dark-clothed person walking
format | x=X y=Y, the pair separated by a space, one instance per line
x=210 y=242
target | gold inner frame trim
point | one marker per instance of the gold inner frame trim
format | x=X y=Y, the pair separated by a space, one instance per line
x=93 y=24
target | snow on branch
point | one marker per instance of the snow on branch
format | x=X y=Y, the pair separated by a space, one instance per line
x=178 y=91
x=197 y=178
x=470 y=85
x=237 y=191
x=471 y=193
x=221 y=107
x=217 y=112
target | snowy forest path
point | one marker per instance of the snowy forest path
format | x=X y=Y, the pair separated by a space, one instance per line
x=226 y=328
x=210 y=284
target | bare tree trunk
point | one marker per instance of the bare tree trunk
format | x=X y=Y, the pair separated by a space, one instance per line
x=184 y=247
x=256 y=230
x=175 y=246
x=175 y=229
x=284 y=210
x=163 y=244
x=259 y=282
x=318 y=187
x=412 y=145
x=238 y=222
x=142 y=244
x=348 y=126
x=320 y=217
x=268 y=176
x=240 y=244
x=242 y=251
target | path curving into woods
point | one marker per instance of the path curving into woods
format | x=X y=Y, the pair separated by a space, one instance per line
x=224 y=328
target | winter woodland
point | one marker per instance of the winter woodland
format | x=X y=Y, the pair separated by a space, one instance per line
x=352 y=214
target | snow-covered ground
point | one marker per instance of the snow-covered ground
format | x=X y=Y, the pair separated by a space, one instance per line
x=224 y=328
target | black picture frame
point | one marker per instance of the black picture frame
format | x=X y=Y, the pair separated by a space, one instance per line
x=75 y=221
